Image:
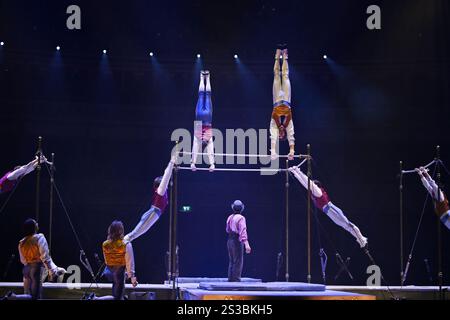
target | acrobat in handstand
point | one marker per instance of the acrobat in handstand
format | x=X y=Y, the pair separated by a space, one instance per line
x=203 y=122
x=281 y=124
x=441 y=206
x=322 y=202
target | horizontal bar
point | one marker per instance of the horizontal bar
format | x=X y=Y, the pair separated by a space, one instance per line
x=234 y=169
x=300 y=164
x=414 y=171
x=245 y=155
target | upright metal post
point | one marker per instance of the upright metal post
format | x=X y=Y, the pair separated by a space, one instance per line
x=50 y=220
x=401 y=221
x=38 y=177
x=173 y=248
x=439 y=229
x=287 y=221
x=169 y=256
x=308 y=213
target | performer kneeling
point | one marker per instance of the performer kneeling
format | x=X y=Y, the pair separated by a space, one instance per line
x=9 y=180
x=441 y=206
x=159 y=204
x=34 y=255
x=203 y=122
x=322 y=202
x=281 y=106
x=237 y=240
x=119 y=259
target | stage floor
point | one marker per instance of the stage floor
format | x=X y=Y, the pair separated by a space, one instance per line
x=191 y=291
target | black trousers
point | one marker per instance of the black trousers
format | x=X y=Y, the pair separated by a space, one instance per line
x=236 y=256
x=116 y=274
x=32 y=282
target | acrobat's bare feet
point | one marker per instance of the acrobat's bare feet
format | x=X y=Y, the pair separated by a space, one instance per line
x=278 y=54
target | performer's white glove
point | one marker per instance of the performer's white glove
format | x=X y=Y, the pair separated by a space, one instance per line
x=293 y=169
x=55 y=273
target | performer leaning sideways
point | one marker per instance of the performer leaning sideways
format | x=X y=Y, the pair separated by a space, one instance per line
x=236 y=229
x=441 y=206
x=322 y=202
x=159 y=204
x=9 y=180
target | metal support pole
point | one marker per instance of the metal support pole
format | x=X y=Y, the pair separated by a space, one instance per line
x=50 y=220
x=38 y=177
x=308 y=213
x=173 y=248
x=401 y=221
x=287 y=222
x=439 y=229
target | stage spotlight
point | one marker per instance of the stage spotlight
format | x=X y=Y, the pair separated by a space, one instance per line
x=198 y=55
x=58 y=48
x=325 y=56
x=235 y=56
x=151 y=54
x=104 y=51
x=2 y=43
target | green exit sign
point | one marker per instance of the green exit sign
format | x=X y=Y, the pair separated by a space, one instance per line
x=185 y=209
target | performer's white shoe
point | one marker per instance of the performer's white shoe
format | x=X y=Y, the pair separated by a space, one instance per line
x=193 y=167
x=362 y=242
x=294 y=169
x=60 y=271
x=212 y=167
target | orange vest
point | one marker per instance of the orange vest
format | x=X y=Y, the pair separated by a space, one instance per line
x=281 y=110
x=29 y=249
x=114 y=252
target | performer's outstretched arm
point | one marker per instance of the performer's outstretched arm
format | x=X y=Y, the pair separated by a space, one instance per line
x=441 y=203
x=129 y=259
x=152 y=215
x=430 y=184
x=51 y=267
x=162 y=188
x=303 y=179
x=23 y=170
